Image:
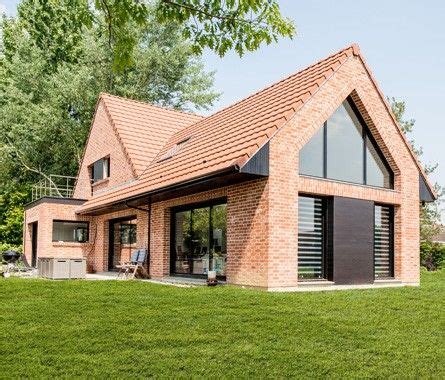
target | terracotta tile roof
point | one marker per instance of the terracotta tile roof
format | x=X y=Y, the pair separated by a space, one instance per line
x=229 y=137
x=143 y=128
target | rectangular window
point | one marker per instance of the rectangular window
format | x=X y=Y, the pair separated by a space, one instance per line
x=100 y=169
x=383 y=242
x=70 y=231
x=199 y=240
x=311 y=238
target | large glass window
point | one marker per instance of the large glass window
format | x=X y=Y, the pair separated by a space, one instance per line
x=311 y=238
x=70 y=231
x=343 y=149
x=344 y=143
x=311 y=155
x=200 y=240
x=383 y=242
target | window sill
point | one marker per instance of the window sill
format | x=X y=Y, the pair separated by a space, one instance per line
x=100 y=182
x=68 y=244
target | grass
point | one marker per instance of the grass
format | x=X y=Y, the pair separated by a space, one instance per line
x=117 y=329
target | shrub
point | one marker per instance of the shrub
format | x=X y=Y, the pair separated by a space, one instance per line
x=432 y=255
x=6 y=246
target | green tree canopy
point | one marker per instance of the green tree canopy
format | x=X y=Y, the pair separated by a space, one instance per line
x=430 y=212
x=221 y=25
x=47 y=95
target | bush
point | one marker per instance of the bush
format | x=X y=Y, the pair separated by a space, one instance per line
x=6 y=246
x=432 y=255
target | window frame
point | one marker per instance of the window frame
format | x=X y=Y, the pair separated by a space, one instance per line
x=190 y=207
x=72 y=222
x=326 y=257
x=366 y=135
x=105 y=169
x=391 y=240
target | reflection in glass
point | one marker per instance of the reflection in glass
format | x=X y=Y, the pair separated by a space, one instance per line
x=311 y=156
x=183 y=241
x=377 y=173
x=200 y=240
x=345 y=146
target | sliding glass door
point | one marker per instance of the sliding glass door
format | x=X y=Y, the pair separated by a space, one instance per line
x=199 y=240
x=311 y=238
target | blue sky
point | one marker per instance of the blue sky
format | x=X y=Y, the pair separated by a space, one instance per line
x=402 y=41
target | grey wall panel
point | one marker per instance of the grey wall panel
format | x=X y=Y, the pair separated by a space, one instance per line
x=353 y=241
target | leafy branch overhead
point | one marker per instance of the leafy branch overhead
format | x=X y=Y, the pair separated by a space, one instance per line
x=242 y=25
x=220 y=25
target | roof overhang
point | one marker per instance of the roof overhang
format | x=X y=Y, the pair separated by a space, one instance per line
x=256 y=167
x=57 y=200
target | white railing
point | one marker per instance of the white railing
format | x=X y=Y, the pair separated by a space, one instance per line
x=54 y=186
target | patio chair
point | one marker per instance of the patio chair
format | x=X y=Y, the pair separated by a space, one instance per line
x=139 y=265
x=129 y=270
x=124 y=267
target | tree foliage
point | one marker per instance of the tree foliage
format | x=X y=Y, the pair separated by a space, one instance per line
x=48 y=92
x=221 y=25
x=429 y=212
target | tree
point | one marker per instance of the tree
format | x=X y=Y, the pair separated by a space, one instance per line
x=47 y=96
x=430 y=212
x=221 y=25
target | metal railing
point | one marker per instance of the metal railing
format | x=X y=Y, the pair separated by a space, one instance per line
x=54 y=186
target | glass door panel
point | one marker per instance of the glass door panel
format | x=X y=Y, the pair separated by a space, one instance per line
x=183 y=237
x=310 y=238
x=200 y=243
x=383 y=251
x=219 y=239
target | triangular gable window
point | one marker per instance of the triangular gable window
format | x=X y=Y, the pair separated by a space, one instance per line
x=344 y=149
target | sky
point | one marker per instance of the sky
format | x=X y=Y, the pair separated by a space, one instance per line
x=402 y=41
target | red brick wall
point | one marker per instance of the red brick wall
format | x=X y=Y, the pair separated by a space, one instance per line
x=102 y=142
x=44 y=214
x=352 y=78
x=262 y=215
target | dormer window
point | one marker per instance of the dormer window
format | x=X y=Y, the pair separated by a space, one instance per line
x=175 y=149
x=100 y=169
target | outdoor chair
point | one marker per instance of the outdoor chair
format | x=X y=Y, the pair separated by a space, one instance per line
x=123 y=267
x=129 y=270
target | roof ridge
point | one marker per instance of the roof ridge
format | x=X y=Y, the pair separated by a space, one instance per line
x=188 y=113
x=355 y=50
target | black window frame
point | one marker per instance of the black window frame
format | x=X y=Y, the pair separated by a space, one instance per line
x=366 y=135
x=72 y=222
x=105 y=169
x=190 y=207
x=327 y=259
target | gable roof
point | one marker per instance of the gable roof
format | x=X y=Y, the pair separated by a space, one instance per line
x=231 y=136
x=143 y=128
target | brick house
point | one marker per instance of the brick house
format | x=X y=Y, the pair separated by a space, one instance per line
x=308 y=181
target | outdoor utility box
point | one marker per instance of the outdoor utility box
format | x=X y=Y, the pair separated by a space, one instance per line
x=77 y=268
x=43 y=266
x=61 y=268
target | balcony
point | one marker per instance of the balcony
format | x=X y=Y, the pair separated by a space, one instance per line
x=58 y=186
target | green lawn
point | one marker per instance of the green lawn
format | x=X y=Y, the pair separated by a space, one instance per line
x=119 y=329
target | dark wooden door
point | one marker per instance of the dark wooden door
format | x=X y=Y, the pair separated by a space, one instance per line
x=34 y=232
x=353 y=241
